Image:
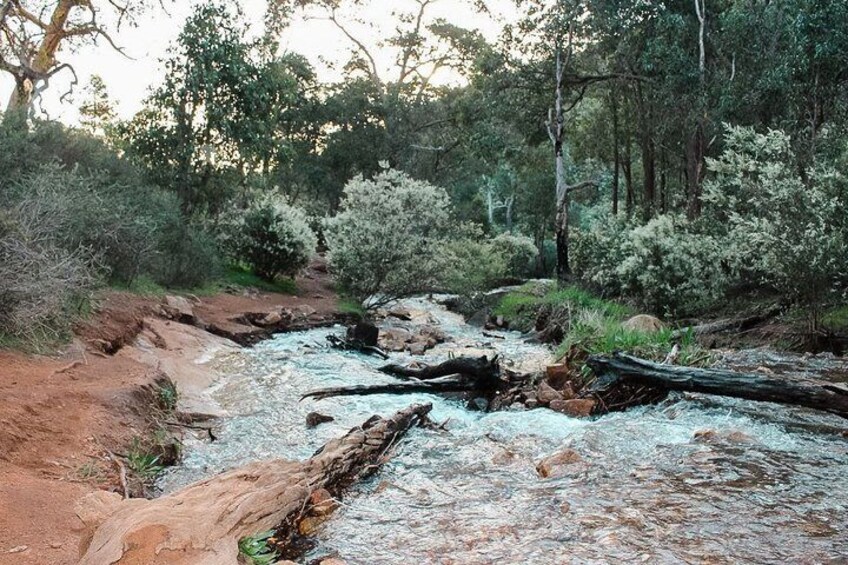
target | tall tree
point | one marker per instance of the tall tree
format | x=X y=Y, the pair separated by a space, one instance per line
x=33 y=34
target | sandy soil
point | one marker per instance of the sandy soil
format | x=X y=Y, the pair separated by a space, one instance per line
x=61 y=415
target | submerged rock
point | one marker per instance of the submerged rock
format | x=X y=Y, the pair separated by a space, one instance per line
x=314 y=419
x=559 y=463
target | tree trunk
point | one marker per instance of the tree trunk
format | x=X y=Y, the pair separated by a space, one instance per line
x=628 y=177
x=616 y=153
x=820 y=395
x=694 y=172
x=649 y=186
x=563 y=267
x=203 y=523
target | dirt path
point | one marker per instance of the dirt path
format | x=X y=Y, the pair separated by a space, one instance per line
x=61 y=416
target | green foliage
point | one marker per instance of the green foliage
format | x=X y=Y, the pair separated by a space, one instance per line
x=385 y=242
x=240 y=276
x=255 y=551
x=167 y=397
x=782 y=231
x=142 y=461
x=188 y=256
x=471 y=264
x=517 y=252
x=273 y=238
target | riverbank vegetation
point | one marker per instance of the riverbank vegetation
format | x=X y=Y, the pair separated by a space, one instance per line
x=668 y=155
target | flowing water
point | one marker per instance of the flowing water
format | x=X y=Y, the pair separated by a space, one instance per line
x=769 y=486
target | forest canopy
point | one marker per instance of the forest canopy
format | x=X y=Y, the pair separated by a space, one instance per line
x=671 y=152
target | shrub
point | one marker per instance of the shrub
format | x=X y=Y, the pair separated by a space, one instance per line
x=782 y=231
x=40 y=282
x=273 y=238
x=518 y=252
x=671 y=269
x=596 y=253
x=385 y=242
x=470 y=264
x=187 y=256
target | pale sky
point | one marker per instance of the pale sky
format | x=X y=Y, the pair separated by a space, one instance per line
x=129 y=80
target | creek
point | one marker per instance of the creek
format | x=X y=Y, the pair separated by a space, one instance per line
x=767 y=484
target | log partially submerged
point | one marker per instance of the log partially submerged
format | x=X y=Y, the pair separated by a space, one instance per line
x=461 y=374
x=203 y=523
x=625 y=369
x=470 y=367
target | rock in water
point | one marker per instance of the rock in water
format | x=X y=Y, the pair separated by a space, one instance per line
x=558 y=463
x=365 y=333
x=316 y=419
x=643 y=323
x=578 y=407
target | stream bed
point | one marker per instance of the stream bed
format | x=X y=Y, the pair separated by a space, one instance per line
x=765 y=485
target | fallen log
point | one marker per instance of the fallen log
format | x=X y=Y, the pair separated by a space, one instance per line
x=203 y=523
x=625 y=369
x=472 y=367
x=435 y=387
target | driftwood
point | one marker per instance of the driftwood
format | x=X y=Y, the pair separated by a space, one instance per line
x=203 y=523
x=470 y=367
x=448 y=385
x=625 y=369
x=479 y=375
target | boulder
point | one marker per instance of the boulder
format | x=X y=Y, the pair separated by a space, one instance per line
x=643 y=323
x=546 y=394
x=364 y=332
x=559 y=463
x=577 y=407
x=179 y=308
x=314 y=419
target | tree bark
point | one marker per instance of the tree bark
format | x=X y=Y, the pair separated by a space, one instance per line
x=616 y=151
x=819 y=395
x=203 y=523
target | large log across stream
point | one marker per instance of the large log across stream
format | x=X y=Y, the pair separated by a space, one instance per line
x=461 y=374
x=203 y=523
x=817 y=394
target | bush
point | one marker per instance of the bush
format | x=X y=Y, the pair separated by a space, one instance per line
x=385 y=242
x=518 y=252
x=671 y=269
x=273 y=238
x=597 y=252
x=470 y=264
x=187 y=256
x=42 y=285
x=783 y=231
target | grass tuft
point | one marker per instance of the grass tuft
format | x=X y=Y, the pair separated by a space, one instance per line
x=254 y=550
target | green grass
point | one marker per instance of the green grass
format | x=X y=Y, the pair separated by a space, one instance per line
x=520 y=308
x=234 y=276
x=348 y=305
x=594 y=326
x=142 y=462
x=255 y=551
x=167 y=397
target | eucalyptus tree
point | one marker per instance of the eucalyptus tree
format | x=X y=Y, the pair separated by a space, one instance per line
x=34 y=34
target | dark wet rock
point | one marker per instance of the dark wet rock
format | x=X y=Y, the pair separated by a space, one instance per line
x=364 y=332
x=314 y=419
